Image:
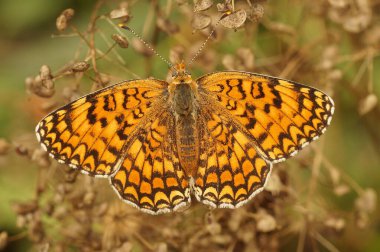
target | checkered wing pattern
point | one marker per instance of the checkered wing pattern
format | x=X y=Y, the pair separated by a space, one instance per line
x=280 y=116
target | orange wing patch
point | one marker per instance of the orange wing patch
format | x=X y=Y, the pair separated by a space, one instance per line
x=151 y=178
x=279 y=115
x=91 y=132
x=230 y=171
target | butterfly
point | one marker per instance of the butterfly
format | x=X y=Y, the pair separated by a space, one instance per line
x=159 y=142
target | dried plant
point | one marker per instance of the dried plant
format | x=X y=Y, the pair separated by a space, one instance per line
x=75 y=211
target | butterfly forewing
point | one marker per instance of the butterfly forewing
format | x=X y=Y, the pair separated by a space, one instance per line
x=90 y=133
x=279 y=115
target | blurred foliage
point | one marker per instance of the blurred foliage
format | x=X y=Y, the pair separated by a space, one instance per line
x=324 y=199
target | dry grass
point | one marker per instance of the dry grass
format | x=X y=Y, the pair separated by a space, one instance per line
x=331 y=44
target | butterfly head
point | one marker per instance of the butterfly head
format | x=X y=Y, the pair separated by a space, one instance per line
x=180 y=75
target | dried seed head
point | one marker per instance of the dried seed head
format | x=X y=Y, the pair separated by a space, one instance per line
x=3 y=240
x=214 y=228
x=256 y=13
x=341 y=189
x=202 y=5
x=236 y=219
x=337 y=224
x=25 y=208
x=176 y=54
x=361 y=219
x=21 y=149
x=265 y=222
x=68 y=13
x=372 y=36
x=42 y=85
x=281 y=28
x=234 y=20
x=140 y=47
x=274 y=185
x=366 y=202
x=120 y=40
x=63 y=19
x=357 y=23
x=162 y=247
x=244 y=60
x=224 y=7
x=121 y=13
x=45 y=73
x=245 y=233
x=80 y=66
x=339 y=3
x=200 y=21
x=167 y=26
x=125 y=247
x=367 y=104
x=4 y=146
x=41 y=158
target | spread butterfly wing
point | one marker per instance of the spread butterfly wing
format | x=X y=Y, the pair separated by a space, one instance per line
x=90 y=133
x=150 y=177
x=231 y=171
x=280 y=116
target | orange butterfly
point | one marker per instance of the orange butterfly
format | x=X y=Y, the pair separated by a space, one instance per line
x=216 y=137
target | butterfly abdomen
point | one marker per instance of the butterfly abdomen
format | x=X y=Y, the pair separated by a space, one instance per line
x=183 y=105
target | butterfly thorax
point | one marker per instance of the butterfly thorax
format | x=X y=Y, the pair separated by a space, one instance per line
x=183 y=94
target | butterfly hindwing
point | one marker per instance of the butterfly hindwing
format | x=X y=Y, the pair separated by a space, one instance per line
x=231 y=171
x=150 y=176
x=281 y=116
x=90 y=133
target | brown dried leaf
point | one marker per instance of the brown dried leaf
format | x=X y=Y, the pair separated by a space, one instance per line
x=234 y=20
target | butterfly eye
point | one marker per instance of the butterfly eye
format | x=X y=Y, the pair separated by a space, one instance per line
x=174 y=73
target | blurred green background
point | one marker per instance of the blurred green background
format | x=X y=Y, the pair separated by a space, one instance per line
x=29 y=39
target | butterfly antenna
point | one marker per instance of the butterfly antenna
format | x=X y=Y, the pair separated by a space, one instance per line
x=207 y=39
x=146 y=44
